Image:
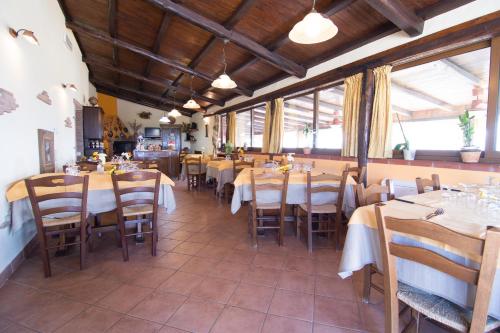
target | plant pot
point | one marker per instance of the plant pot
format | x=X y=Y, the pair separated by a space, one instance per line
x=307 y=151
x=409 y=155
x=470 y=156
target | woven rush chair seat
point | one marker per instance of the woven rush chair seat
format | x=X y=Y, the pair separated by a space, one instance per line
x=321 y=209
x=58 y=221
x=440 y=309
x=267 y=205
x=137 y=210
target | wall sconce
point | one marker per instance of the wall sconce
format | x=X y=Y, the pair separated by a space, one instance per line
x=70 y=86
x=205 y=120
x=27 y=34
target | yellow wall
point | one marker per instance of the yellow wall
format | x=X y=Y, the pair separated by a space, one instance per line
x=108 y=104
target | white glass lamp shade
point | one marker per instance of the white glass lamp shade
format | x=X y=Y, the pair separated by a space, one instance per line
x=164 y=120
x=314 y=28
x=191 y=104
x=224 y=82
x=174 y=113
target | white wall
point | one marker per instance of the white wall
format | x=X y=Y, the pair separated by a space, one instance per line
x=203 y=143
x=128 y=112
x=26 y=70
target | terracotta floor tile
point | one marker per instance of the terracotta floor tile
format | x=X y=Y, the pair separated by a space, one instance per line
x=303 y=265
x=292 y=304
x=190 y=248
x=296 y=281
x=230 y=270
x=335 y=287
x=168 y=329
x=172 y=260
x=241 y=257
x=239 y=320
x=92 y=320
x=134 y=325
x=124 y=298
x=179 y=235
x=269 y=261
x=54 y=314
x=319 y=328
x=167 y=244
x=198 y=265
x=196 y=316
x=91 y=291
x=213 y=252
x=275 y=324
x=326 y=268
x=214 y=289
x=331 y=311
x=262 y=276
x=15 y=328
x=181 y=283
x=123 y=271
x=158 y=307
x=252 y=297
x=17 y=301
x=202 y=238
x=153 y=277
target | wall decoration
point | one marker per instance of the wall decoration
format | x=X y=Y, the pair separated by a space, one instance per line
x=113 y=130
x=135 y=127
x=68 y=123
x=46 y=151
x=44 y=97
x=93 y=101
x=172 y=119
x=144 y=115
x=7 y=102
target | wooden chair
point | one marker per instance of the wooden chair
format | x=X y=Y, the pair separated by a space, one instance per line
x=194 y=173
x=422 y=183
x=315 y=184
x=263 y=213
x=237 y=167
x=429 y=305
x=149 y=164
x=143 y=210
x=357 y=173
x=373 y=194
x=54 y=218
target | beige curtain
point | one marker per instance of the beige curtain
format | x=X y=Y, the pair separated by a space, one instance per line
x=380 y=133
x=277 y=127
x=266 y=135
x=215 y=133
x=232 y=128
x=352 y=99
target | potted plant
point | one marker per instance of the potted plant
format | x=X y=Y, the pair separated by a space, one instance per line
x=469 y=153
x=228 y=149
x=308 y=130
x=408 y=154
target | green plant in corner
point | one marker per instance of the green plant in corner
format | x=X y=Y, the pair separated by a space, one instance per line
x=406 y=144
x=467 y=127
x=228 y=148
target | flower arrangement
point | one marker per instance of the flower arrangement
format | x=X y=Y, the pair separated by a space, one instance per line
x=285 y=168
x=126 y=156
x=95 y=156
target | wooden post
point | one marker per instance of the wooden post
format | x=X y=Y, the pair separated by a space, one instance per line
x=493 y=113
x=365 y=112
x=315 y=117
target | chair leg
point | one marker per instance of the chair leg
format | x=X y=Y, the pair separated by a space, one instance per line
x=154 y=237
x=309 y=232
x=297 y=222
x=45 y=254
x=123 y=241
x=254 y=228
x=83 y=245
x=338 y=217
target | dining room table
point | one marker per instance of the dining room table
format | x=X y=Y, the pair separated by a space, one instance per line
x=297 y=190
x=467 y=212
x=101 y=197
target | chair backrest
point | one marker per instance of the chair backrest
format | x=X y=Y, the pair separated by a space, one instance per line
x=265 y=182
x=240 y=165
x=235 y=156
x=149 y=164
x=422 y=183
x=486 y=249
x=373 y=193
x=324 y=183
x=357 y=173
x=136 y=182
x=193 y=163
x=57 y=187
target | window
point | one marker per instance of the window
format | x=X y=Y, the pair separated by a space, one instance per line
x=223 y=128
x=298 y=113
x=329 y=132
x=259 y=115
x=428 y=99
x=243 y=129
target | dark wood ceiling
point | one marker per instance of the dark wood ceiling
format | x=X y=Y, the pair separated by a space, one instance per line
x=146 y=50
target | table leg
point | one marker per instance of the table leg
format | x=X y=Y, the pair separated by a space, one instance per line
x=366 y=283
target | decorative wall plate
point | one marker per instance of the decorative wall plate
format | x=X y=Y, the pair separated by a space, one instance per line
x=7 y=102
x=44 y=97
x=68 y=123
x=144 y=115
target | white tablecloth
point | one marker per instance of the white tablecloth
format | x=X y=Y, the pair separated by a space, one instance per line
x=362 y=246
x=296 y=193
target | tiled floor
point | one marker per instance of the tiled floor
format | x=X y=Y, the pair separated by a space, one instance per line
x=206 y=278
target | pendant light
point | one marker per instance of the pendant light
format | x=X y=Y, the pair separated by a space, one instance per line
x=314 y=28
x=191 y=104
x=224 y=81
x=174 y=112
x=164 y=119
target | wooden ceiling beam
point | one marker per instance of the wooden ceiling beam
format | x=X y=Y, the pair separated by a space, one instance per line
x=235 y=37
x=471 y=77
x=399 y=14
x=103 y=36
x=229 y=24
x=161 y=83
x=422 y=96
x=112 y=23
x=112 y=86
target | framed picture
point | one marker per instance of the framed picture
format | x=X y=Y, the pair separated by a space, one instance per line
x=46 y=151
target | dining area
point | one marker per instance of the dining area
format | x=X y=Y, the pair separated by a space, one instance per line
x=250 y=166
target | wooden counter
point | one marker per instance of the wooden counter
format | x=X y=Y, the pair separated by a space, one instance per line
x=168 y=160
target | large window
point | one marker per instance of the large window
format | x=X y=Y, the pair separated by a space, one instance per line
x=298 y=114
x=330 y=118
x=258 y=114
x=243 y=129
x=428 y=99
